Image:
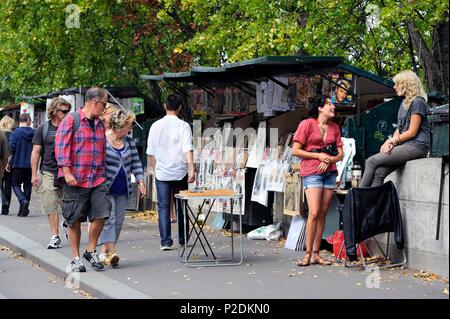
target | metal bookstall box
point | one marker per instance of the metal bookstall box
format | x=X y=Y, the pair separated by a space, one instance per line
x=438 y=119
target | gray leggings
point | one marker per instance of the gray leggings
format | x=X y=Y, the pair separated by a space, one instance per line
x=381 y=165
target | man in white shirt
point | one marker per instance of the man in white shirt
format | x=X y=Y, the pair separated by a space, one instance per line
x=171 y=158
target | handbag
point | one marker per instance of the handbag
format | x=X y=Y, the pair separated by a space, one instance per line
x=58 y=182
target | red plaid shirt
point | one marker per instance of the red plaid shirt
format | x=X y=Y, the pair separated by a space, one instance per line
x=84 y=152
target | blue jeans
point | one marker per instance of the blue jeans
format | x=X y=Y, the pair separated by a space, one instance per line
x=22 y=176
x=164 y=190
x=113 y=226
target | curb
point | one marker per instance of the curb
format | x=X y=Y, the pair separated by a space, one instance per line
x=93 y=282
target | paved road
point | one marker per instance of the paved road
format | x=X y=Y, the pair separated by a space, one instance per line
x=21 y=279
x=268 y=270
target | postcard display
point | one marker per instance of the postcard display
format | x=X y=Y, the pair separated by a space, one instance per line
x=220 y=165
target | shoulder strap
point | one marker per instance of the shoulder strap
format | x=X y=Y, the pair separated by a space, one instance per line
x=76 y=122
x=45 y=130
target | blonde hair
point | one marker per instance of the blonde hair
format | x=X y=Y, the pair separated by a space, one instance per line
x=409 y=85
x=54 y=106
x=111 y=108
x=7 y=124
x=120 y=119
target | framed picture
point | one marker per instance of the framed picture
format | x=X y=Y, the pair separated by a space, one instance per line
x=342 y=89
x=293 y=195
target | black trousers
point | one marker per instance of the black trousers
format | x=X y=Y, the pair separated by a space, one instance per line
x=6 y=186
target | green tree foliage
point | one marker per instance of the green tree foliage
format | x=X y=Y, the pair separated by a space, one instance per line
x=115 y=43
x=240 y=29
x=118 y=40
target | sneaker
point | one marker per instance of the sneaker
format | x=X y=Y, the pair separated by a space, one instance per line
x=76 y=265
x=55 y=242
x=114 y=260
x=64 y=229
x=166 y=248
x=23 y=209
x=93 y=259
x=105 y=258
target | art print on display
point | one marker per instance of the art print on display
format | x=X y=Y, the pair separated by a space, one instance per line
x=293 y=193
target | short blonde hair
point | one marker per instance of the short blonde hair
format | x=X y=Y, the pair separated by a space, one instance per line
x=7 y=124
x=111 y=108
x=409 y=86
x=120 y=119
x=54 y=106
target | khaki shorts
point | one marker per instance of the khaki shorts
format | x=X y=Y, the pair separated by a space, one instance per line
x=51 y=195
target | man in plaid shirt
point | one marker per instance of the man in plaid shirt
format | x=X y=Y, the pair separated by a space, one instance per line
x=81 y=159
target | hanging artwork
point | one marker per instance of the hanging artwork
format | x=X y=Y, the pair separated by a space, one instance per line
x=293 y=195
x=258 y=148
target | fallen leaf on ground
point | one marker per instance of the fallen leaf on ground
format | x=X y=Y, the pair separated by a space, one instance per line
x=427 y=276
x=445 y=291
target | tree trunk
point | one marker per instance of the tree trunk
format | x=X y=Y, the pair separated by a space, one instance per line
x=432 y=67
x=440 y=54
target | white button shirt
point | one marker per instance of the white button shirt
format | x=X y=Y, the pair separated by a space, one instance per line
x=168 y=141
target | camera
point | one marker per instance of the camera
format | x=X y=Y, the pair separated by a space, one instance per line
x=330 y=149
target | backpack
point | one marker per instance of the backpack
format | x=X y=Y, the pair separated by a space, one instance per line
x=76 y=125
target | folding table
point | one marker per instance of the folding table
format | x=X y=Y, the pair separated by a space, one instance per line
x=196 y=234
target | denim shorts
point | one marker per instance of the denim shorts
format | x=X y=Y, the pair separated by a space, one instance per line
x=326 y=180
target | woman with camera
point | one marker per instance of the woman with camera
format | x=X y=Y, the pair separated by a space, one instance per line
x=318 y=142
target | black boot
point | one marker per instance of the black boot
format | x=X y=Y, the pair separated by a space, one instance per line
x=5 y=210
x=23 y=210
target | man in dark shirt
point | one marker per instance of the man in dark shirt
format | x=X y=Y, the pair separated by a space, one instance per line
x=20 y=146
x=44 y=150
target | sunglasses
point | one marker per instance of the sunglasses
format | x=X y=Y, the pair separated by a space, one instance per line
x=64 y=111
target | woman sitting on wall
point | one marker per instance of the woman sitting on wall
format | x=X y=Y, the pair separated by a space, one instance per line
x=318 y=142
x=411 y=140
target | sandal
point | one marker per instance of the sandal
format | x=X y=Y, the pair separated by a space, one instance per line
x=320 y=261
x=306 y=261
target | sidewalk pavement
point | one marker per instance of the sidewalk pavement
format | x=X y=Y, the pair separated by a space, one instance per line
x=268 y=270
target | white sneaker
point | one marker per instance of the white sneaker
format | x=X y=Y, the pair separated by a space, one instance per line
x=166 y=248
x=64 y=229
x=55 y=243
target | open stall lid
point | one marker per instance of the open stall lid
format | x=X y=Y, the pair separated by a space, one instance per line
x=259 y=69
